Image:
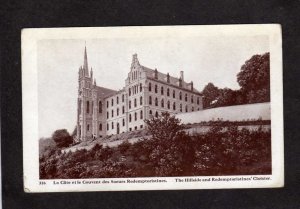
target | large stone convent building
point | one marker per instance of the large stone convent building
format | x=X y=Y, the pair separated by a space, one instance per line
x=147 y=92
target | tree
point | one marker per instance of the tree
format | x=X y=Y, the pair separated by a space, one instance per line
x=62 y=138
x=164 y=127
x=210 y=94
x=254 y=78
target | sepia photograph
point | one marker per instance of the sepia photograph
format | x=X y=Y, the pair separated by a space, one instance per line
x=151 y=108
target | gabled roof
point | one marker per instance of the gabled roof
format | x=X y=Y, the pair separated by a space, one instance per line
x=163 y=78
x=104 y=92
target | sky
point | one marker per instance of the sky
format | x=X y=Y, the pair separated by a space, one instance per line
x=215 y=59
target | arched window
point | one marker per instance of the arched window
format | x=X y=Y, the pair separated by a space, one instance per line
x=162 y=90
x=112 y=113
x=135 y=102
x=107 y=114
x=155 y=88
x=129 y=118
x=129 y=91
x=135 y=116
x=173 y=93
x=192 y=99
x=117 y=100
x=123 y=122
x=141 y=87
x=100 y=127
x=198 y=100
x=123 y=109
x=180 y=107
x=149 y=87
x=112 y=125
x=180 y=95
x=150 y=100
x=87 y=107
x=100 y=107
x=162 y=103
x=150 y=112
x=192 y=109
x=186 y=108
x=112 y=102
x=185 y=97
x=156 y=102
x=168 y=105
x=168 y=92
x=88 y=127
x=122 y=97
x=107 y=126
x=107 y=104
x=156 y=114
x=117 y=111
x=174 y=106
x=141 y=114
x=129 y=104
x=141 y=100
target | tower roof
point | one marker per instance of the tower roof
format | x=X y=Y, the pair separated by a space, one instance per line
x=85 y=63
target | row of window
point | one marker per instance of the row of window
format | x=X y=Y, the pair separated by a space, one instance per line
x=112 y=112
x=117 y=100
x=88 y=107
x=136 y=116
x=173 y=93
x=135 y=102
x=112 y=125
x=162 y=104
x=135 y=89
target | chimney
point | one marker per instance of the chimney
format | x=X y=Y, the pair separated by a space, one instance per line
x=181 y=75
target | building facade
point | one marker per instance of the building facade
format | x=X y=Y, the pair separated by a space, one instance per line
x=147 y=92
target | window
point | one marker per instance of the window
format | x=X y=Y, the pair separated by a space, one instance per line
x=130 y=129
x=186 y=108
x=135 y=103
x=100 y=107
x=112 y=102
x=117 y=100
x=107 y=126
x=198 y=101
x=168 y=105
x=100 y=127
x=112 y=125
x=141 y=126
x=141 y=100
x=107 y=105
x=135 y=127
x=162 y=90
x=87 y=107
x=156 y=114
x=180 y=95
x=141 y=87
x=129 y=104
x=123 y=98
x=174 y=106
x=155 y=88
x=192 y=99
x=141 y=114
x=150 y=100
x=129 y=118
x=92 y=107
x=192 y=109
x=123 y=109
x=173 y=93
x=185 y=97
x=162 y=103
x=112 y=113
x=156 y=102
x=168 y=92
x=123 y=122
x=150 y=112
x=107 y=115
x=180 y=107
x=117 y=111
x=88 y=127
x=149 y=87
x=135 y=116
x=129 y=91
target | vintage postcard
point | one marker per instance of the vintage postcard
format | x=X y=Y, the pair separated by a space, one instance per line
x=152 y=108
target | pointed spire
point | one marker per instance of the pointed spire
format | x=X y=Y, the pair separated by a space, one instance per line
x=91 y=73
x=85 y=63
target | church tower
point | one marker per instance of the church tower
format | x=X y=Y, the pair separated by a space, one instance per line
x=84 y=102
